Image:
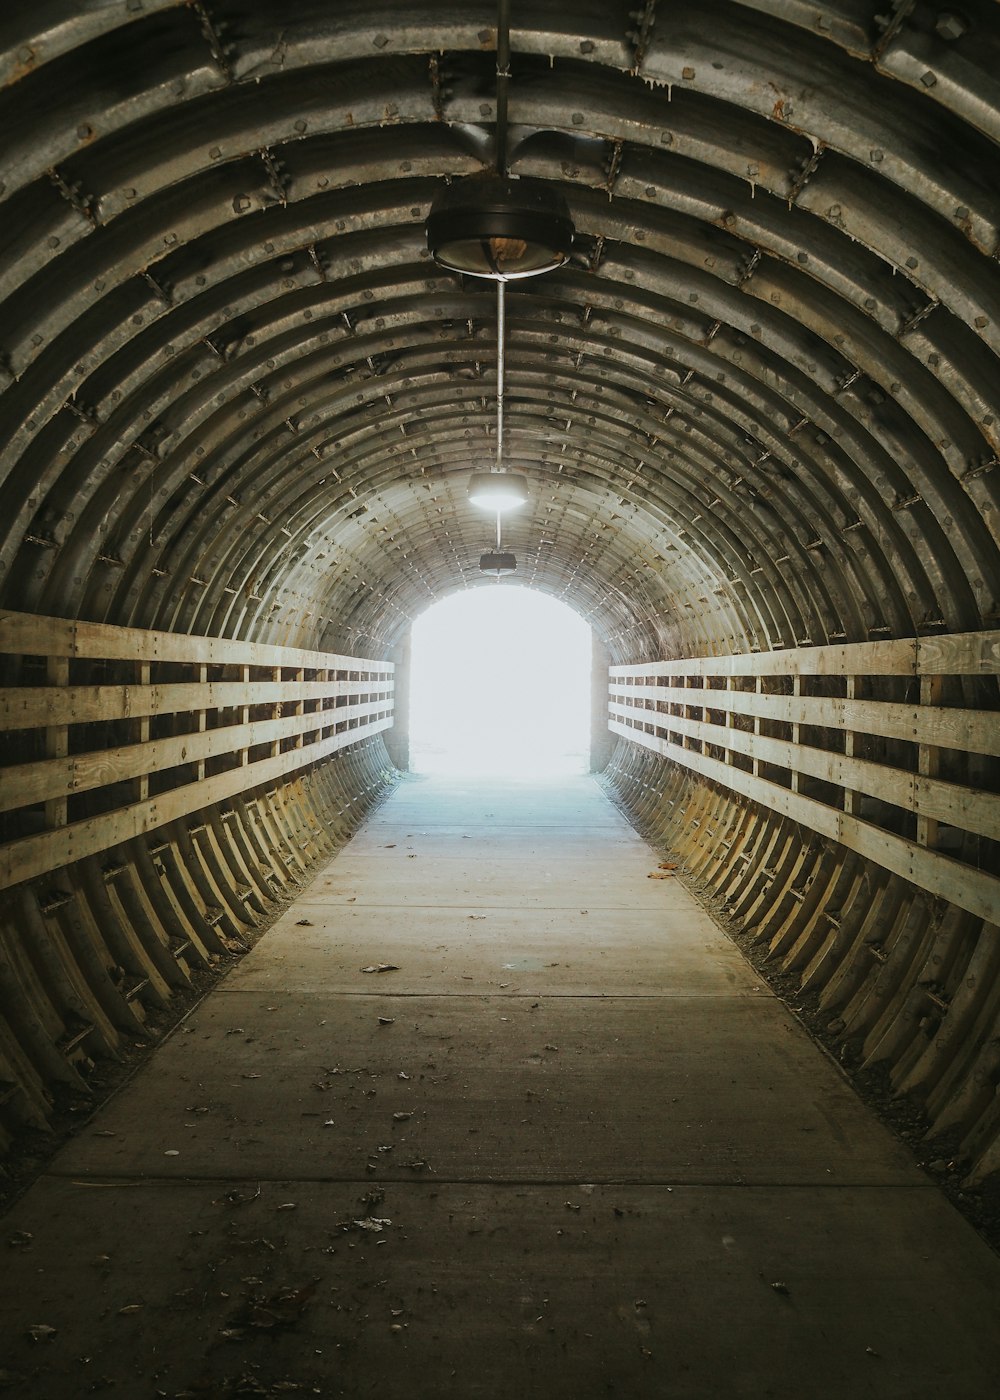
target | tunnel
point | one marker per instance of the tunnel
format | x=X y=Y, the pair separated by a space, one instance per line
x=758 y=415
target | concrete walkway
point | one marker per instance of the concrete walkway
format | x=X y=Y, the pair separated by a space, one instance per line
x=567 y=1147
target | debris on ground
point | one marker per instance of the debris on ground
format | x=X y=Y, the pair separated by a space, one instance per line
x=381 y=967
x=236 y=1198
x=42 y=1332
x=659 y=875
x=20 y=1239
x=281 y=1309
x=303 y=923
x=387 y=1020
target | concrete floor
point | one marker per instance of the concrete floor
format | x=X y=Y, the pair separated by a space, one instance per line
x=569 y=1147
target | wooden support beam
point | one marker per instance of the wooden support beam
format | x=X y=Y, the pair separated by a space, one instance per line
x=754 y=763
x=929 y=759
x=851 y=801
x=57 y=740
x=37 y=855
x=32 y=707
x=968 y=888
x=141 y=733
x=197 y=760
x=972 y=731
x=25 y=634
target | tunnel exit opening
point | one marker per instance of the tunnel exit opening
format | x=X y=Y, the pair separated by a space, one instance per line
x=500 y=686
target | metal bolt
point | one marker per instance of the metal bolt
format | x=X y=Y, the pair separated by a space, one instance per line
x=950 y=26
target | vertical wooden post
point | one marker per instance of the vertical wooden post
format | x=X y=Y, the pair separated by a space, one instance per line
x=851 y=802
x=243 y=676
x=201 y=720
x=141 y=730
x=730 y=715
x=276 y=711
x=928 y=760
x=796 y=730
x=57 y=740
x=299 y=707
x=691 y=682
x=757 y=682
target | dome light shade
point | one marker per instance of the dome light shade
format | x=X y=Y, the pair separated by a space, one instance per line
x=497 y=563
x=491 y=226
x=498 y=491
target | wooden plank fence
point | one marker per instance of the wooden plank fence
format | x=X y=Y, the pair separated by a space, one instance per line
x=108 y=732
x=870 y=744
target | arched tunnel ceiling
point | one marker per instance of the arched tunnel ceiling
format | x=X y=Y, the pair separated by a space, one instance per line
x=760 y=408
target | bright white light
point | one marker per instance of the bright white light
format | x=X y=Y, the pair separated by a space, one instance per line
x=500 y=686
x=498 y=491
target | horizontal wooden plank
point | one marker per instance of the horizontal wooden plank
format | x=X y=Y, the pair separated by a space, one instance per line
x=972 y=731
x=37 y=707
x=25 y=634
x=31 y=856
x=28 y=783
x=896 y=658
x=938 y=874
x=969 y=809
x=958 y=654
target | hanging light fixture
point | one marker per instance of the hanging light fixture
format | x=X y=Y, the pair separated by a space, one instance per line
x=489 y=225
x=497 y=563
x=498 y=492
x=492 y=226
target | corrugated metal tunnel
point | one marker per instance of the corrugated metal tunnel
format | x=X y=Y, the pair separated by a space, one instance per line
x=758 y=411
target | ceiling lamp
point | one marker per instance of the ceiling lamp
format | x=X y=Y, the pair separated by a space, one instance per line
x=488 y=225
x=498 y=492
x=492 y=226
x=497 y=563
